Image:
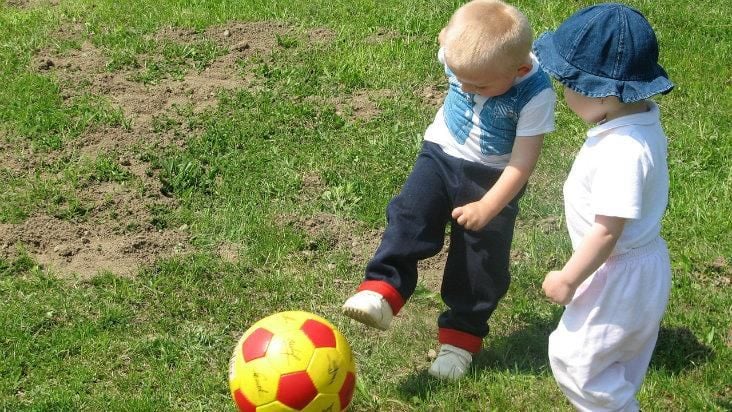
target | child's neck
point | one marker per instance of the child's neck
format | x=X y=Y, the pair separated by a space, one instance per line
x=626 y=109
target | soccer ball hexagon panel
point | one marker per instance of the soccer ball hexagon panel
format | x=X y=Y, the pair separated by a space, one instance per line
x=292 y=361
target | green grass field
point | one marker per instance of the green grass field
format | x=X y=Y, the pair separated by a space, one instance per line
x=258 y=142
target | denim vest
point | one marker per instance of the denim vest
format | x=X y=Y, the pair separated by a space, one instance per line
x=498 y=116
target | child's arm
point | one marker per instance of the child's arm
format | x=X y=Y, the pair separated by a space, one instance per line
x=596 y=246
x=524 y=155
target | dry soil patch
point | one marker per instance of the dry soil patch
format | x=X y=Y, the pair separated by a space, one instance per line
x=117 y=233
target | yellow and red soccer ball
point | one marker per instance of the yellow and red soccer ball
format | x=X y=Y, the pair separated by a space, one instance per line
x=292 y=361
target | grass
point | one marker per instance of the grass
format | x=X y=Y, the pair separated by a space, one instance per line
x=161 y=340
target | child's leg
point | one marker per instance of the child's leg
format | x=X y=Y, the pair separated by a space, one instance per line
x=601 y=348
x=611 y=389
x=636 y=368
x=476 y=278
x=416 y=220
x=477 y=270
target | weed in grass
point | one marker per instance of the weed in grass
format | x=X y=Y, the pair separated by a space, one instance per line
x=21 y=264
x=68 y=207
x=106 y=169
x=286 y=42
x=161 y=216
x=173 y=60
x=181 y=176
x=341 y=200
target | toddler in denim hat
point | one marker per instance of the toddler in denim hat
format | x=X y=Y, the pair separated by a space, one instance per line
x=476 y=158
x=616 y=284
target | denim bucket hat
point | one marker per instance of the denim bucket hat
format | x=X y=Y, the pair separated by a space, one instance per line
x=605 y=50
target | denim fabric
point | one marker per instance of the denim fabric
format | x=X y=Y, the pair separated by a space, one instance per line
x=605 y=50
x=497 y=117
x=476 y=274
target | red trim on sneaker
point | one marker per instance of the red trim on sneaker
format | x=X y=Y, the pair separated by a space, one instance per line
x=462 y=340
x=389 y=292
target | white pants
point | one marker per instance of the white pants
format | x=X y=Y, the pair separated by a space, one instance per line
x=601 y=348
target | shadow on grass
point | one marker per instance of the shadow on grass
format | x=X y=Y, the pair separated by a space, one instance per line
x=417 y=385
x=523 y=351
x=725 y=405
x=678 y=350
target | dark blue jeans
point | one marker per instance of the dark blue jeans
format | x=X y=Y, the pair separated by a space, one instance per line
x=476 y=274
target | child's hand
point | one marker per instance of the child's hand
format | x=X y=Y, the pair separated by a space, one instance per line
x=557 y=288
x=472 y=216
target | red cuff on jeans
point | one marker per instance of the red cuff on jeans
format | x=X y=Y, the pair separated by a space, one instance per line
x=392 y=296
x=462 y=340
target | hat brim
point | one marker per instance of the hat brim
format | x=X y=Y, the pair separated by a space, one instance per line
x=591 y=85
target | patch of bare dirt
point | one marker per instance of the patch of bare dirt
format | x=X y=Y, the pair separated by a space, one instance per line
x=432 y=96
x=85 y=70
x=717 y=273
x=382 y=36
x=105 y=140
x=312 y=186
x=12 y=157
x=341 y=234
x=27 y=4
x=117 y=233
x=337 y=232
x=365 y=105
x=430 y=270
x=361 y=105
x=228 y=252
x=321 y=35
x=253 y=36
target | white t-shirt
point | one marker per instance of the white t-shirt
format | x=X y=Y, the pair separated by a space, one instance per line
x=620 y=171
x=537 y=117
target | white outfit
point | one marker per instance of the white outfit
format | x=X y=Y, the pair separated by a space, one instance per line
x=536 y=117
x=601 y=348
x=620 y=171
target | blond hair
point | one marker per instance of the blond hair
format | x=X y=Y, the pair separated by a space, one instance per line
x=487 y=32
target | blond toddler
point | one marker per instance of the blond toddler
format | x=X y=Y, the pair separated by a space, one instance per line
x=475 y=161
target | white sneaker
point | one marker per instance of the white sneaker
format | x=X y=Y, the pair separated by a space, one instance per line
x=369 y=308
x=451 y=363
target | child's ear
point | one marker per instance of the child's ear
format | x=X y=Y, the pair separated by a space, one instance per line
x=441 y=37
x=523 y=70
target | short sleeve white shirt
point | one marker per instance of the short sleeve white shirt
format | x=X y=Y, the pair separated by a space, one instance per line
x=535 y=118
x=621 y=170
